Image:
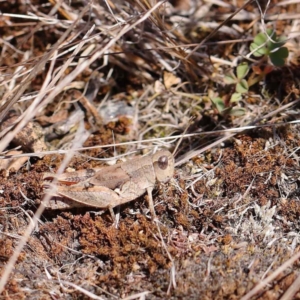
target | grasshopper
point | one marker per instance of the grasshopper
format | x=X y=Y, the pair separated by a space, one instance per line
x=111 y=186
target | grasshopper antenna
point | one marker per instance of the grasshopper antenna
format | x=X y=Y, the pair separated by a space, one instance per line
x=182 y=136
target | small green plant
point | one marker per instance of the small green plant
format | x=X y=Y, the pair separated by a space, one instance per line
x=268 y=44
x=227 y=109
x=241 y=84
x=234 y=111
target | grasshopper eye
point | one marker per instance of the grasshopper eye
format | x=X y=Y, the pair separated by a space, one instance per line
x=163 y=162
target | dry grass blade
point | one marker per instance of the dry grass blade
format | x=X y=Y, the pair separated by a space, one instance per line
x=9 y=100
x=271 y=277
x=10 y=265
x=292 y=290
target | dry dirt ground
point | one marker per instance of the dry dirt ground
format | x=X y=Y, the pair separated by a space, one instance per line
x=80 y=74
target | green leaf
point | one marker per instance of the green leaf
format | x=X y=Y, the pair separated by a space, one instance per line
x=278 y=57
x=258 y=50
x=230 y=79
x=219 y=103
x=242 y=87
x=271 y=34
x=280 y=41
x=237 y=111
x=261 y=43
x=277 y=61
x=260 y=38
x=242 y=70
x=235 y=97
x=282 y=52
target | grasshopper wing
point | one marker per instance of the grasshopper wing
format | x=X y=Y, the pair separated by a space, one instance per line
x=112 y=177
x=95 y=196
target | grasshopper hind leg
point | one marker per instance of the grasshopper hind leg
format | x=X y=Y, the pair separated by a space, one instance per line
x=112 y=214
x=150 y=202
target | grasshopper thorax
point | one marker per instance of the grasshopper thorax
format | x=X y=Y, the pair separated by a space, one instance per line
x=163 y=163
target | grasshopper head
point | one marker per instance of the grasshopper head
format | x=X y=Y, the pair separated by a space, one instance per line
x=163 y=163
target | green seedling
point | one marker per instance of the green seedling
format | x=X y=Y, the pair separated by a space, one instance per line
x=268 y=44
x=234 y=111
x=219 y=104
x=224 y=108
x=241 y=84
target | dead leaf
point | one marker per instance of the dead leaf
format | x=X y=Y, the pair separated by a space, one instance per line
x=57 y=117
x=30 y=138
x=12 y=163
x=170 y=79
x=158 y=87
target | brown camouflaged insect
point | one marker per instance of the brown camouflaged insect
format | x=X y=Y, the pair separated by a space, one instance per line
x=111 y=186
